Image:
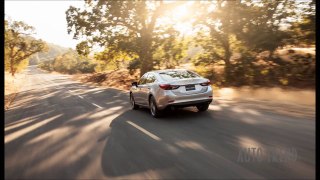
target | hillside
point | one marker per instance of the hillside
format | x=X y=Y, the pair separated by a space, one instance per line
x=53 y=51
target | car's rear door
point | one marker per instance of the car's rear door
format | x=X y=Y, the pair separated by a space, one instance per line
x=146 y=88
x=137 y=95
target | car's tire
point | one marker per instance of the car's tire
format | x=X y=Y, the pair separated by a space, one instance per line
x=154 y=111
x=134 y=106
x=203 y=107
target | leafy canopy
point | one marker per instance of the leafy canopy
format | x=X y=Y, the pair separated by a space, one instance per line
x=19 y=45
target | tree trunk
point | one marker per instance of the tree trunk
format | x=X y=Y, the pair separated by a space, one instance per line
x=271 y=54
x=146 y=55
x=12 y=71
x=227 y=71
x=227 y=67
x=146 y=62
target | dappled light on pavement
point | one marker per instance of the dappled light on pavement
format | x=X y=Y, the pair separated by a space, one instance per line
x=65 y=136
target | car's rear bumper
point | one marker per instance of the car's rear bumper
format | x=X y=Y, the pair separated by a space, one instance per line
x=170 y=99
x=190 y=103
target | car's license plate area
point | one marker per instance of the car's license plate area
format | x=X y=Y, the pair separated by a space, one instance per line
x=190 y=87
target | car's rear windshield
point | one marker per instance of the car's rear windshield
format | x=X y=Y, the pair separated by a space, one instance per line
x=173 y=75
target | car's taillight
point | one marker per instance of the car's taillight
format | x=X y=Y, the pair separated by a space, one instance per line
x=205 y=83
x=168 y=86
x=165 y=86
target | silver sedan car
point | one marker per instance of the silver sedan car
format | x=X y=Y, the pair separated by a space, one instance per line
x=161 y=89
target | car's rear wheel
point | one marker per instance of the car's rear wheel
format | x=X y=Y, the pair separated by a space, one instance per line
x=203 y=107
x=133 y=103
x=153 y=108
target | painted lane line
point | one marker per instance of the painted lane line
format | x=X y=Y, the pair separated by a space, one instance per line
x=72 y=93
x=96 y=105
x=144 y=131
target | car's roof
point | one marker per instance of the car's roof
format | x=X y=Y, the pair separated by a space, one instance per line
x=167 y=70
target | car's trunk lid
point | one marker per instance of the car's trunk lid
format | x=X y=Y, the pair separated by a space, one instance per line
x=189 y=86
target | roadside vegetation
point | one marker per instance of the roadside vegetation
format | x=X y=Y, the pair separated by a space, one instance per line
x=12 y=86
x=238 y=43
x=70 y=62
x=233 y=43
x=19 y=46
x=53 y=51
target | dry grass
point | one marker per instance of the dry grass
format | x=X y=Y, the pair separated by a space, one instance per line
x=12 y=87
x=120 y=79
x=296 y=96
x=290 y=101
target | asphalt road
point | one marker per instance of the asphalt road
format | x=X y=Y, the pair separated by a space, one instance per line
x=59 y=128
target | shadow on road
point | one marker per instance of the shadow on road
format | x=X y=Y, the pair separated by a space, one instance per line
x=51 y=132
x=194 y=145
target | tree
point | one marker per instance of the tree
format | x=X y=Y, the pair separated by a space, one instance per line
x=246 y=27
x=19 y=46
x=53 y=51
x=263 y=26
x=303 y=31
x=70 y=62
x=83 y=48
x=114 y=57
x=172 y=49
x=219 y=21
x=127 y=25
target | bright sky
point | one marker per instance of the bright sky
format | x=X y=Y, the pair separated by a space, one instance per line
x=48 y=17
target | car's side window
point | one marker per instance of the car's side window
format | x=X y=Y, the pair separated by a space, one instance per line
x=143 y=79
x=151 y=78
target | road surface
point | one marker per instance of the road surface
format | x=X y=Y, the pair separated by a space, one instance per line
x=59 y=128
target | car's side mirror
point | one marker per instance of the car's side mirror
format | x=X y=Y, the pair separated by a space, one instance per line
x=134 y=84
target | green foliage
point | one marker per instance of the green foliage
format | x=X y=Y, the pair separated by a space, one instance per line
x=19 y=45
x=69 y=63
x=231 y=36
x=303 y=32
x=83 y=48
x=171 y=51
x=113 y=58
x=126 y=25
x=18 y=67
x=102 y=66
x=133 y=65
x=46 y=65
x=261 y=26
x=249 y=28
